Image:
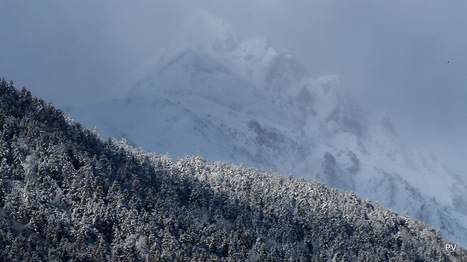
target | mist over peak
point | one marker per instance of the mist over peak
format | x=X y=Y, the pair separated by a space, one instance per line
x=205 y=31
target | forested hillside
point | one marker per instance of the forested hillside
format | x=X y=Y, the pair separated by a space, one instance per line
x=66 y=194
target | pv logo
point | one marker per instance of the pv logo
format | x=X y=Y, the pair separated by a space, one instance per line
x=451 y=247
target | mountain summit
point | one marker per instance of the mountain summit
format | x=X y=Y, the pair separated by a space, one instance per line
x=245 y=101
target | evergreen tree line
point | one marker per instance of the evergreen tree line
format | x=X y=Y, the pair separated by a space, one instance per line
x=68 y=195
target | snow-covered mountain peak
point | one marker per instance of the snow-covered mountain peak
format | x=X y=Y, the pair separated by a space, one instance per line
x=245 y=101
x=269 y=66
x=209 y=45
x=328 y=82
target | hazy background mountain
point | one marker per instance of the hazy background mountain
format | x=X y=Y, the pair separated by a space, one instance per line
x=245 y=101
x=392 y=56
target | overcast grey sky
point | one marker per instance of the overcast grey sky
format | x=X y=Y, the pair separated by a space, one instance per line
x=392 y=55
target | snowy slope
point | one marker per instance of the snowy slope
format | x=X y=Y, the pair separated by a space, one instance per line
x=244 y=101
